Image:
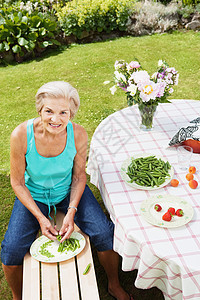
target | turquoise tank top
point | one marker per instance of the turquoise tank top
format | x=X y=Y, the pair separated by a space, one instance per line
x=49 y=178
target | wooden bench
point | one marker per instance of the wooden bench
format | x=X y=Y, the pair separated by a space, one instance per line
x=64 y=280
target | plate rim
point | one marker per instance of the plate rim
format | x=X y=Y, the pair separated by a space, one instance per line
x=137 y=186
x=165 y=224
x=44 y=259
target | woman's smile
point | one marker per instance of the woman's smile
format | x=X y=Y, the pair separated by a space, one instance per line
x=55 y=125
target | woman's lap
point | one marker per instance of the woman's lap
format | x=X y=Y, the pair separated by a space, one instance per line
x=89 y=218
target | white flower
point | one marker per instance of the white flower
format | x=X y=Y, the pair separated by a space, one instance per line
x=119 y=76
x=132 y=89
x=140 y=76
x=171 y=90
x=154 y=76
x=160 y=63
x=119 y=64
x=148 y=90
x=176 y=79
x=21 y=7
x=113 y=89
x=106 y=82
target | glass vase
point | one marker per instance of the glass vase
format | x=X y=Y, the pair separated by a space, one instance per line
x=146 y=116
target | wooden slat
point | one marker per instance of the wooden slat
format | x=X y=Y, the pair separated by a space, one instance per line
x=68 y=280
x=88 y=283
x=31 y=278
x=50 y=284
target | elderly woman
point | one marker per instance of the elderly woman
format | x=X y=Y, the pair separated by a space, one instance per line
x=48 y=156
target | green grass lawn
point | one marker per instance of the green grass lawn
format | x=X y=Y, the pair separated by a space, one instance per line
x=86 y=67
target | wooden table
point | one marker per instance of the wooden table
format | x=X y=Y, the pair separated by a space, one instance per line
x=166 y=258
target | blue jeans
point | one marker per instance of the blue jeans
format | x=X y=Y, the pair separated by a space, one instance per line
x=23 y=227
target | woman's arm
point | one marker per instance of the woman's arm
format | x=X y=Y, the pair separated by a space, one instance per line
x=78 y=180
x=18 y=146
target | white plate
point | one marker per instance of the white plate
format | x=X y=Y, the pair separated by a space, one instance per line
x=53 y=247
x=155 y=218
x=126 y=178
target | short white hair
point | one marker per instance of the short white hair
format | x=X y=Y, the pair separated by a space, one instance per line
x=58 y=89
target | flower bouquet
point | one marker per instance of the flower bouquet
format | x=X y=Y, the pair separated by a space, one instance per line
x=145 y=90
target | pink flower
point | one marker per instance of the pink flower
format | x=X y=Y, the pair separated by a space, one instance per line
x=134 y=65
x=151 y=90
x=140 y=76
x=160 y=89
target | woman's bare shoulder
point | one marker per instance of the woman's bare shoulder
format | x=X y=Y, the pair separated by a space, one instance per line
x=19 y=136
x=79 y=132
x=20 y=131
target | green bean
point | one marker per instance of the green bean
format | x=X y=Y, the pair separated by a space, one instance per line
x=87 y=269
x=70 y=244
x=148 y=171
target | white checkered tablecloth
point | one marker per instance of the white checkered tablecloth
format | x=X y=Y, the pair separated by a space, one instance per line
x=166 y=258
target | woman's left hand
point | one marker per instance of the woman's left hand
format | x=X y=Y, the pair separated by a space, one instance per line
x=67 y=226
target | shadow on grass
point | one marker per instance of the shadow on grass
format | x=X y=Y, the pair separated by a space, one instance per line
x=54 y=51
x=127 y=280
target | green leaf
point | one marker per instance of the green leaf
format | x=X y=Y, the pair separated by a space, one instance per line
x=55 y=42
x=10 y=40
x=6 y=46
x=31 y=45
x=33 y=36
x=2 y=20
x=24 y=19
x=1 y=47
x=16 y=49
x=20 y=15
x=42 y=31
x=22 y=41
x=36 y=21
x=18 y=32
x=4 y=33
x=45 y=44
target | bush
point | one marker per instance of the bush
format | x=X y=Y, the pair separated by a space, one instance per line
x=79 y=16
x=153 y=17
x=22 y=34
x=38 y=3
x=190 y=2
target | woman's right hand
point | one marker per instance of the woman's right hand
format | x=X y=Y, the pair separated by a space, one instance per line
x=47 y=229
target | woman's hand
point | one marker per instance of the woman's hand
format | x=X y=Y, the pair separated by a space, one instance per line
x=67 y=226
x=47 y=229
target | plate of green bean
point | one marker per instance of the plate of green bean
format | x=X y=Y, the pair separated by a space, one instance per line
x=146 y=171
x=45 y=250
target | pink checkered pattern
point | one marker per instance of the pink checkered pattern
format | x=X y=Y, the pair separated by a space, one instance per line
x=166 y=258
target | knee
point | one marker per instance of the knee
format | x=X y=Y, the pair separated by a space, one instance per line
x=12 y=254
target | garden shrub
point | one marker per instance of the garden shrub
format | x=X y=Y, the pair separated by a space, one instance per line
x=190 y=2
x=22 y=34
x=153 y=17
x=37 y=3
x=79 y=16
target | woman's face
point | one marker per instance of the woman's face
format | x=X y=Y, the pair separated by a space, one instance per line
x=55 y=114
